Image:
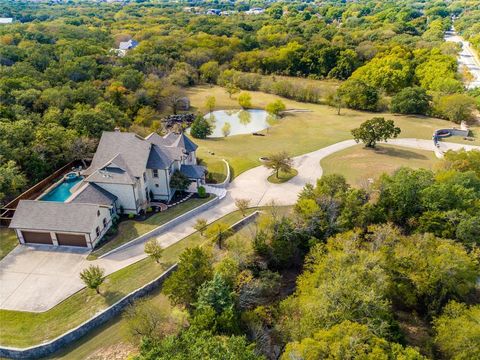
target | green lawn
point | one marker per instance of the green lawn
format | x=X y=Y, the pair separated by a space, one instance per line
x=217 y=169
x=22 y=329
x=8 y=241
x=131 y=229
x=358 y=164
x=282 y=176
x=300 y=132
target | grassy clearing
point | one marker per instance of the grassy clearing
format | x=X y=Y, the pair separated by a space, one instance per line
x=8 y=241
x=358 y=164
x=131 y=229
x=298 y=133
x=282 y=176
x=22 y=329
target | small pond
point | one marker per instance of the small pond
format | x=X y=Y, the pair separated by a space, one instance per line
x=241 y=121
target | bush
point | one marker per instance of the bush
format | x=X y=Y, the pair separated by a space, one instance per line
x=456 y=107
x=131 y=216
x=202 y=193
x=275 y=107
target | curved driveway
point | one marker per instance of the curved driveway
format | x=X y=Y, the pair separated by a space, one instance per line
x=38 y=278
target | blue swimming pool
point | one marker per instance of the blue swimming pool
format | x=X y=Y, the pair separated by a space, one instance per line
x=61 y=192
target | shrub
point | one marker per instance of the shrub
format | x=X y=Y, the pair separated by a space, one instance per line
x=131 y=216
x=202 y=193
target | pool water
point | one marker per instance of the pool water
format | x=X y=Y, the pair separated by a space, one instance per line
x=61 y=192
x=241 y=121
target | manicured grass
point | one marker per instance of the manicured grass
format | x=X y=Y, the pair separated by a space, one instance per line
x=8 y=241
x=217 y=170
x=358 y=164
x=298 y=133
x=131 y=229
x=22 y=329
x=282 y=176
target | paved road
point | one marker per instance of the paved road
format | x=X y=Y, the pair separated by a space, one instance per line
x=37 y=278
x=467 y=57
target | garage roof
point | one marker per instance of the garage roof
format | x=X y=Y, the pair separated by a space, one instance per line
x=55 y=216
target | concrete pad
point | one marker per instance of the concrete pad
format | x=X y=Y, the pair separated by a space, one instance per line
x=10 y=281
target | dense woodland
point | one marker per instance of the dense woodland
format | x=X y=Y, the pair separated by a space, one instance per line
x=388 y=271
x=384 y=272
x=61 y=85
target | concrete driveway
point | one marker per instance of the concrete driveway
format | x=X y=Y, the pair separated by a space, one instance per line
x=36 y=278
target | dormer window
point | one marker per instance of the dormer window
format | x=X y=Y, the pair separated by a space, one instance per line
x=155 y=173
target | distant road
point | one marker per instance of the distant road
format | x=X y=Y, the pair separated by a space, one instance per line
x=466 y=57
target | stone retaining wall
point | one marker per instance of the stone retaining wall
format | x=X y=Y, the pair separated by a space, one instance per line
x=54 y=345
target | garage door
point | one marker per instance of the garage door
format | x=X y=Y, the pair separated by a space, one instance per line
x=71 y=240
x=33 y=237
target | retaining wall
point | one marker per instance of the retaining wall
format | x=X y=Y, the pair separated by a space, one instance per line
x=168 y=225
x=224 y=184
x=56 y=344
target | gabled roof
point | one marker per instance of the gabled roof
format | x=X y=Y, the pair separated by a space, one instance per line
x=173 y=140
x=133 y=150
x=183 y=141
x=92 y=194
x=193 y=171
x=159 y=158
x=54 y=216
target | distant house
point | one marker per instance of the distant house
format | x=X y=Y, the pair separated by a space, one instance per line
x=127 y=173
x=124 y=46
x=5 y=20
x=255 y=11
x=214 y=12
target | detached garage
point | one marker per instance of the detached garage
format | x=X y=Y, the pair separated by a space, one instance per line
x=34 y=237
x=60 y=224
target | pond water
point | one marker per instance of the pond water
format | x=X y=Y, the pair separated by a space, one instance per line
x=240 y=121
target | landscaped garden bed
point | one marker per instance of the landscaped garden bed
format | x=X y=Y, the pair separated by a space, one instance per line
x=282 y=176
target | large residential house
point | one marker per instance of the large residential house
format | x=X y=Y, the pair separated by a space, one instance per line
x=126 y=175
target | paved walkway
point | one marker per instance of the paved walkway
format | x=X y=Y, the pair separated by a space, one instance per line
x=36 y=278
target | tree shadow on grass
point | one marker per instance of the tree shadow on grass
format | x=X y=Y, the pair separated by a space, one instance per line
x=399 y=153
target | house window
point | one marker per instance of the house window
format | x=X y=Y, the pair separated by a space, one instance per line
x=104 y=222
x=98 y=212
x=155 y=173
x=144 y=177
x=156 y=185
x=97 y=230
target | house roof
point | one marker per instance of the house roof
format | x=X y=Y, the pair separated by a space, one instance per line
x=133 y=150
x=93 y=194
x=193 y=171
x=126 y=45
x=55 y=216
x=159 y=158
x=180 y=141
